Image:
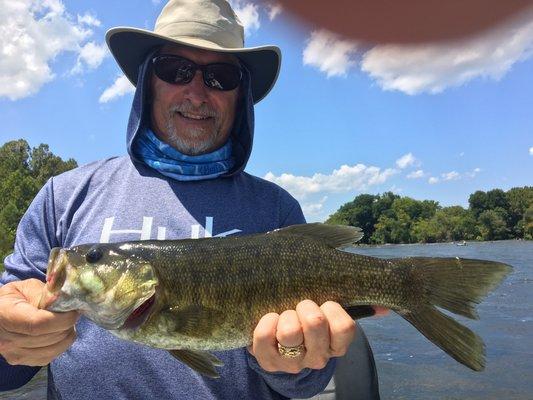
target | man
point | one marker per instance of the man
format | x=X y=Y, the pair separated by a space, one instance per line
x=189 y=138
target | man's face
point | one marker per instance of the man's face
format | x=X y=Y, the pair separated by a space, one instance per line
x=193 y=118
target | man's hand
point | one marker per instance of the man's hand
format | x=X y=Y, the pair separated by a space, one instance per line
x=326 y=332
x=29 y=336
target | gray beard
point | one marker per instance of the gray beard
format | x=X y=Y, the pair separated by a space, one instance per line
x=191 y=147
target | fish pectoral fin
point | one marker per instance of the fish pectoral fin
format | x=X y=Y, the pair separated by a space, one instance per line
x=194 y=320
x=336 y=236
x=358 y=312
x=201 y=361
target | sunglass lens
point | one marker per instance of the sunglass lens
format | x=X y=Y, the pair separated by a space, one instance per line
x=174 y=70
x=222 y=76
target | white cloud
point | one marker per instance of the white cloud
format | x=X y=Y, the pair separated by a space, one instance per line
x=329 y=53
x=32 y=34
x=247 y=13
x=88 y=19
x=119 y=88
x=450 y=176
x=405 y=161
x=345 y=179
x=432 y=68
x=531 y=151
x=416 y=174
x=461 y=154
x=314 y=209
x=273 y=10
x=473 y=173
x=90 y=55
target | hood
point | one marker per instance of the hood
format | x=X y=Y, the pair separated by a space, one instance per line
x=243 y=126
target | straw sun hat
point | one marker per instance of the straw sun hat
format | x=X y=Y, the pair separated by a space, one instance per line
x=202 y=24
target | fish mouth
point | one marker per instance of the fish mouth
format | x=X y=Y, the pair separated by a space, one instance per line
x=55 y=277
x=57 y=269
x=140 y=314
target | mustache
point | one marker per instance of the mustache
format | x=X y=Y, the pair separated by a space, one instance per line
x=204 y=110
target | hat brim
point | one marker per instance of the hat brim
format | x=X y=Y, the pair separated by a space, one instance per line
x=130 y=46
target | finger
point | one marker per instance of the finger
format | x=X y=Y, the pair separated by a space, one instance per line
x=341 y=328
x=20 y=313
x=21 y=317
x=25 y=319
x=31 y=290
x=316 y=334
x=40 y=356
x=8 y=339
x=289 y=330
x=264 y=339
x=381 y=311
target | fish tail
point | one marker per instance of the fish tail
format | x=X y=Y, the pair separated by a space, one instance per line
x=456 y=285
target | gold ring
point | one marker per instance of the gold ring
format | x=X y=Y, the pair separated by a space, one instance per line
x=291 y=352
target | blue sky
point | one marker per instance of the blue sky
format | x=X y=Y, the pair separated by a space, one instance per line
x=436 y=121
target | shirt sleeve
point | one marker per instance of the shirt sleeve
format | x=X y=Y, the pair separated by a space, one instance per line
x=292 y=213
x=306 y=383
x=34 y=240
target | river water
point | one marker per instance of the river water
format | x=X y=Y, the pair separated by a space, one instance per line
x=410 y=367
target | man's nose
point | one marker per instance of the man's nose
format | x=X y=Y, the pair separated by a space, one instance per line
x=195 y=90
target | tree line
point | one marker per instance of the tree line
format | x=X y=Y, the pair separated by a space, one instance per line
x=390 y=218
x=23 y=171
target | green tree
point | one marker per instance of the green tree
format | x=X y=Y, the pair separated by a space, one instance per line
x=399 y=228
x=383 y=204
x=396 y=225
x=448 y=224
x=459 y=223
x=496 y=198
x=44 y=164
x=427 y=231
x=358 y=212
x=528 y=223
x=23 y=171
x=492 y=225
x=478 y=202
x=389 y=218
x=364 y=211
x=519 y=200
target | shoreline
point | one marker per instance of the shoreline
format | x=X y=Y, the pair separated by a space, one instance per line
x=467 y=242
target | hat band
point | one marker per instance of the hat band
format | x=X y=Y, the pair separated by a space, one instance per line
x=202 y=32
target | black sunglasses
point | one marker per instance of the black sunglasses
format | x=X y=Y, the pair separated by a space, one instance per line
x=180 y=71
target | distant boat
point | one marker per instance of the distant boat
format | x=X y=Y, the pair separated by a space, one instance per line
x=463 y=243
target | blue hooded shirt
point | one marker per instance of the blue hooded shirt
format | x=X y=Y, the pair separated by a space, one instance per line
x=121 y=199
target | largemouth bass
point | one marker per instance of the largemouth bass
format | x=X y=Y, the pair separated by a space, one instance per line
x=195 y=295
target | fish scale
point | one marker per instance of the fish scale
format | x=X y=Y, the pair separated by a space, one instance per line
x=191 y=296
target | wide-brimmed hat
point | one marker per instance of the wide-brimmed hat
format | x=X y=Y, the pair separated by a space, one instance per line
x=203 y=24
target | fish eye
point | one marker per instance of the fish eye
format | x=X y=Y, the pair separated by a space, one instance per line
x=93 y=255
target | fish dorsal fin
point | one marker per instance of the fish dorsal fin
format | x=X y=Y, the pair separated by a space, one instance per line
x=336 y=236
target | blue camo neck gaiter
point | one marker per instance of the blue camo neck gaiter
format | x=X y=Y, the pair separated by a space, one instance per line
x=181 y=167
